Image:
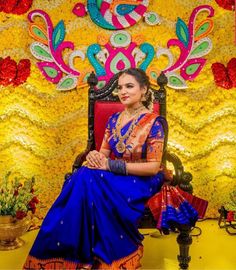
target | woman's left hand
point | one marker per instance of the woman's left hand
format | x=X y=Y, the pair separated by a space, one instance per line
x=103 y=164
x=94 y=159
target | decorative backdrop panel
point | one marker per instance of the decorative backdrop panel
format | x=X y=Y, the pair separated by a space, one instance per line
x=42 y=129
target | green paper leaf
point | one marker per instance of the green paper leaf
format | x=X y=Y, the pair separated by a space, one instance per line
x=39 y=33
x=41 y=51
x=176 y=81
x=201 y=48
x=182 y=32
x=58 y=34
x=67 y=83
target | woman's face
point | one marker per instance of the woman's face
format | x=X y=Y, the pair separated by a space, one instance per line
x=129 y=91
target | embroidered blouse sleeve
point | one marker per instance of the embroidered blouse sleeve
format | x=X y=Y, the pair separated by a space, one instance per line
x=107 y=134
x=155 y=142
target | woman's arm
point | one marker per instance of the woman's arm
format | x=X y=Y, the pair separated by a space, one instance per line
x=140 y=169
x=155 y=143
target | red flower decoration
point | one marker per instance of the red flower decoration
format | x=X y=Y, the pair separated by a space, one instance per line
x=11 y=73
x=15 y=6
x=230 y=216
x=7 y=5
x=226 y=4
x=35 y=200
x=32 y=204
x=225 y=76
x=20 y=214
x=231 y=67
x=23 y=72
x=8 y=68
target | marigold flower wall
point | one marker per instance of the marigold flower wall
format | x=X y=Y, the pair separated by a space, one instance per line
x=42 y=130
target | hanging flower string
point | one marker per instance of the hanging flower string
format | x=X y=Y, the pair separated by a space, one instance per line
x=13 y=73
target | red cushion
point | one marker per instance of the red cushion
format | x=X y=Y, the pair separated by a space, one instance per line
x=102 y=111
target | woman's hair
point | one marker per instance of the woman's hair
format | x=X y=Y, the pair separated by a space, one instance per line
x=143 y=80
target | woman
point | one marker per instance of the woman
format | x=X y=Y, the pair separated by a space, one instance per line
x=94 y=221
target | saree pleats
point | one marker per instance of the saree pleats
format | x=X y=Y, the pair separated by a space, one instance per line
x=172 y=207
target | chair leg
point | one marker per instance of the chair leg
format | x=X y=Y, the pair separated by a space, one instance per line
x=184 y=239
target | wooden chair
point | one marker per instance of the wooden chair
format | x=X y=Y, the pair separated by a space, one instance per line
x=101 y=104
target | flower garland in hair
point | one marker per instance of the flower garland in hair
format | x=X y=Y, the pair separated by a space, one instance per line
x=15 y=6
x=13 y=73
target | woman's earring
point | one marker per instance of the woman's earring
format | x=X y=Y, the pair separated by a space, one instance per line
x=143 y=98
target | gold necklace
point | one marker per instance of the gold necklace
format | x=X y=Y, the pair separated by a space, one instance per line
x=120 y=146
x=133 y=112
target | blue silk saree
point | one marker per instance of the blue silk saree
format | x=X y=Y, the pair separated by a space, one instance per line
x=94 y=221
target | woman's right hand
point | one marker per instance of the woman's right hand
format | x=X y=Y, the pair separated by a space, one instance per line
x=95 y=159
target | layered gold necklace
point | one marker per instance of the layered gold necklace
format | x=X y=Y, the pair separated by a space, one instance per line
x=120 y=146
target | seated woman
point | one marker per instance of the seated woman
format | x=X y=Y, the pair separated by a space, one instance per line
x=94 y=221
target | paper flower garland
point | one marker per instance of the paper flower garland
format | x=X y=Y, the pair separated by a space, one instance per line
x=225 y=76
x=116 y=14
x=15 y=6
x=11 y=73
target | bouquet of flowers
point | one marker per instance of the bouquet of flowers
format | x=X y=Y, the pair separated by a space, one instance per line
x=16 y=198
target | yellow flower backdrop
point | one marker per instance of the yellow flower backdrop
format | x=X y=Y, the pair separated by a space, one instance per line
x=42 y=130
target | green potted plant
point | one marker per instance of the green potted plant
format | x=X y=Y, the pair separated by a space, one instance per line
x=17 y=199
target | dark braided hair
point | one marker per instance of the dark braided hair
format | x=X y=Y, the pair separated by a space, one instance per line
x=143 y=80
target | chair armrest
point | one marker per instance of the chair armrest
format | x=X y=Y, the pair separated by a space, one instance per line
x=79 y=161
x=81 y=157
x=180 y=178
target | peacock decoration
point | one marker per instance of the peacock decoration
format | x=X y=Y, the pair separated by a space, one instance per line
x=116 y=14
x=122 y=51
